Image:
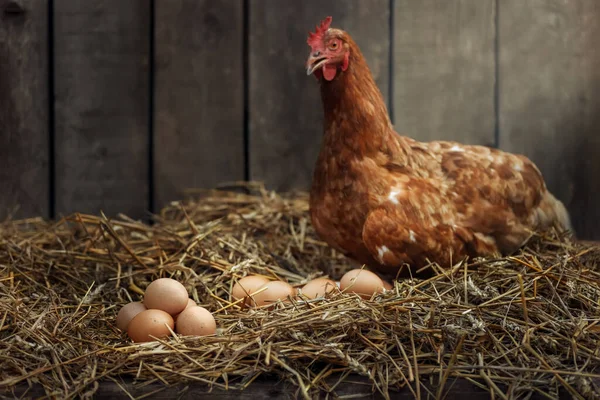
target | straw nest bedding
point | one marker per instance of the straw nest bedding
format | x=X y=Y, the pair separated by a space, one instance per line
x=516 y=326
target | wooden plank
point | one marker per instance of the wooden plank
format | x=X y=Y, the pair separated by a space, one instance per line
x=444 y=70
x=199 y=95
x=354 y=386
x=550 y=97
x=101 y=92
x=24 y=138
x=286 y=114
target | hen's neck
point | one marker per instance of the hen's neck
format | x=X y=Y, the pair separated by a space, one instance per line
x=354 y=110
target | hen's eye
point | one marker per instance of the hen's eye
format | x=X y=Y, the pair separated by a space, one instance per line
x=333 y=46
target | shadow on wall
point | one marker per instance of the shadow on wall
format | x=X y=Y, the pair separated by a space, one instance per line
x=569 y=158
x=584 y=162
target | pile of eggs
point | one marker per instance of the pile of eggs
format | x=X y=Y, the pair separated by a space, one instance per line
x=259 y=291
x=166 y=308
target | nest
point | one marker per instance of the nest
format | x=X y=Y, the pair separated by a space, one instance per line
x=516 y=326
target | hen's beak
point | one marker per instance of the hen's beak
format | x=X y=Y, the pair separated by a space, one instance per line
x=315 y=62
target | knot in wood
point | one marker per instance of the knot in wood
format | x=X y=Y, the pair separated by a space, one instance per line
x=14 y=7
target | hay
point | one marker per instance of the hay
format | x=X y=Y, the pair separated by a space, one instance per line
x=516 y=326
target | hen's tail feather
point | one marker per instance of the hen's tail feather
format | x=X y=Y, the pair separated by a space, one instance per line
x=553 y=213
x=563 y=216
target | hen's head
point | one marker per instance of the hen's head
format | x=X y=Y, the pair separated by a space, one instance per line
x=330 y=51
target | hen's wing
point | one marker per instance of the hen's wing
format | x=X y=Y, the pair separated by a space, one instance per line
x=500 y=195
x=458 y=200
x=393 y=239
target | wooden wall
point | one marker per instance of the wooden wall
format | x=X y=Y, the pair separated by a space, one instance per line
x=120 y=105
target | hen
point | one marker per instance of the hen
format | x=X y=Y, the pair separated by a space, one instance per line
x=388 y=201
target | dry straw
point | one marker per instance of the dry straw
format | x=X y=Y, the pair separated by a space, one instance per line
x=518 y=325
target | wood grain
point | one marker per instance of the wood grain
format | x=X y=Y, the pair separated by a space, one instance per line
x=101 y=92
x=265 y=387
x=550 y=97
x=199 y=96
x=286 y=114
x=444 y=70
x=24 y=137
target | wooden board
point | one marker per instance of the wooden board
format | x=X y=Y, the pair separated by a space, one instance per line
x=444 y=70
x=199 y=96
x=550 y=98
x=101 y=92
x=354 y=386
x=285 y=107
x=24 y=136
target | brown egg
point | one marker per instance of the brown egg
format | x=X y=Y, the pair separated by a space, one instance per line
x=195 y=321
x=276 y=290
x=166 y=294
x=247 y=285
x=318 y=287
x=190 y=303
x=362 y=282
x=150 y=322
x=127 y=312
x=387 y=285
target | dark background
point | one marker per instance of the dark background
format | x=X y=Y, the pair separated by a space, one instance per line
x=119 y=105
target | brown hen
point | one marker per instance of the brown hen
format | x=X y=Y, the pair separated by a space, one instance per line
x=388 y=201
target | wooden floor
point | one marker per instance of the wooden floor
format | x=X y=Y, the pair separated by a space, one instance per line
x=272 y=388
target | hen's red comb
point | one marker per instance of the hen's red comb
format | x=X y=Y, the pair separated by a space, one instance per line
x=315 y=39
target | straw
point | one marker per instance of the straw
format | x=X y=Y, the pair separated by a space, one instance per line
x=519 y=325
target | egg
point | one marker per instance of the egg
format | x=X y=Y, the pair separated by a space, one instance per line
x=150 y=322
x=127 y=312
x=166 y=294
x=362 y=282
x=318 y=287
x=195 y=321
x=190 y=303
x=387 y=285
x=275 y=290
x=246 y=285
